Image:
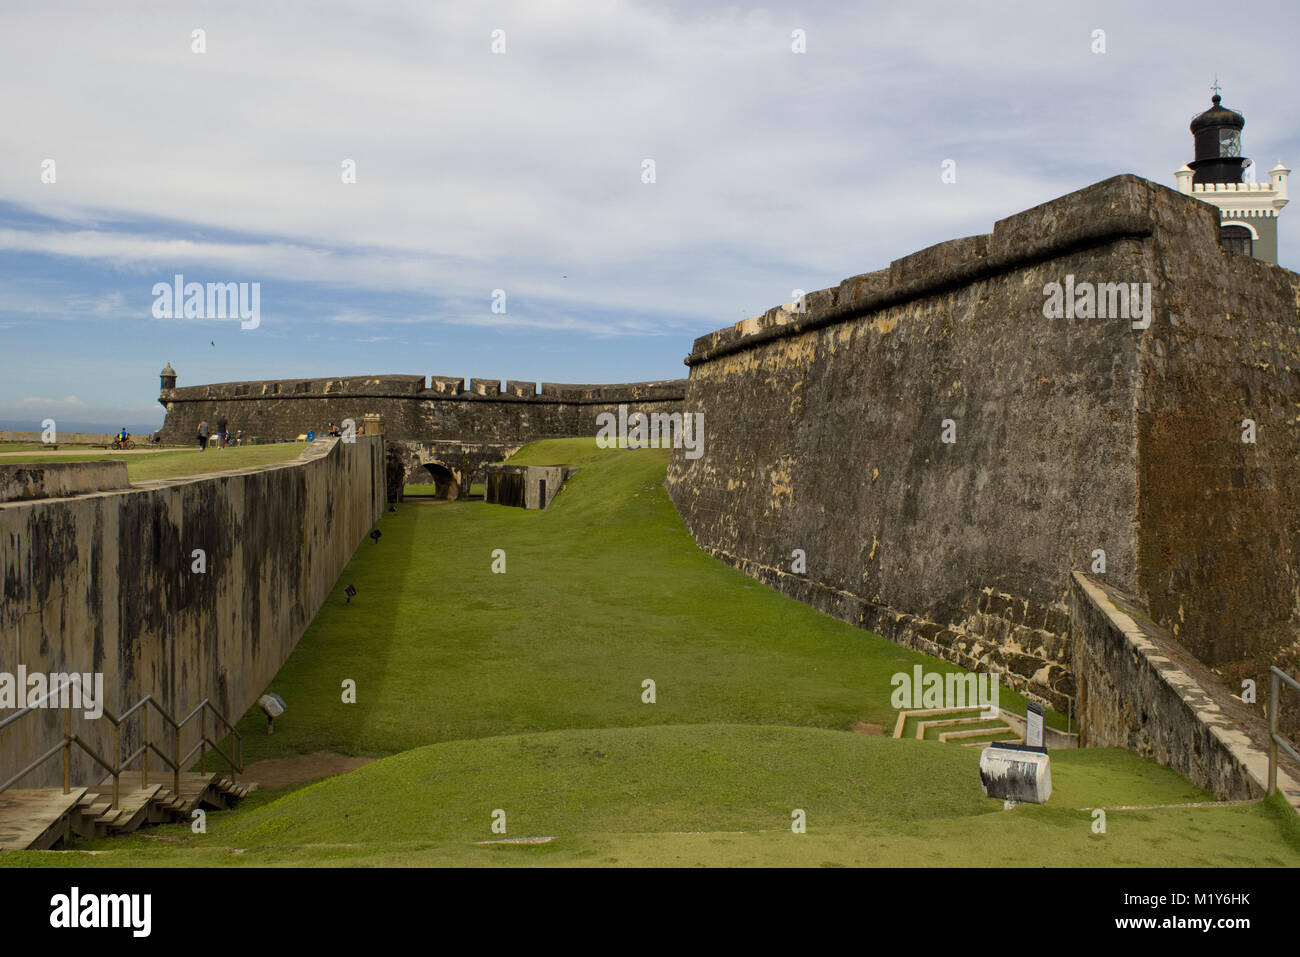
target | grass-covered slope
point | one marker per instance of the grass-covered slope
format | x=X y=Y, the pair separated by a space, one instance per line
x=601 y=591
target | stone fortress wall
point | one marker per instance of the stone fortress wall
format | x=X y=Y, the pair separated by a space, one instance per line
x=438 y=431
x=105 y=581
x=442 y=408
x=824 y=433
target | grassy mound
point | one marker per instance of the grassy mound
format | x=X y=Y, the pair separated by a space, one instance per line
x=716 y=794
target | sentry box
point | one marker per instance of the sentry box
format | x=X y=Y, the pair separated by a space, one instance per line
x=1016 y=773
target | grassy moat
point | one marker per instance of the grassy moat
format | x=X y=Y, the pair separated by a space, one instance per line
x=522 y=692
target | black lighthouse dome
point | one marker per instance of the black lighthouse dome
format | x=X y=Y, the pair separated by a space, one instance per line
x=1218 y=116
x=1217 y=136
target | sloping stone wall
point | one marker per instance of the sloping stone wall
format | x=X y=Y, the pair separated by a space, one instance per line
x=104 y=582
x=1219 y=555
x=58 y=479
x=824 y=433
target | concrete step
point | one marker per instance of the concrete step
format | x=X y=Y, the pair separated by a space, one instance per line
x=990 y=744
x=903 y=716
x=924 y=726
x=1004 y=733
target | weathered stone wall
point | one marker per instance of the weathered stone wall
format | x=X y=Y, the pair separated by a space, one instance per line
x=823 y=433
x=525 y=486
x=446 y=410
x=104 y=583
x=421 y=462
x=58 y=479
x=1219 y=556
x=1139 y=689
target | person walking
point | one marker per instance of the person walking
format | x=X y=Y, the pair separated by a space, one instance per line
x=222 y=422
x=203 y=435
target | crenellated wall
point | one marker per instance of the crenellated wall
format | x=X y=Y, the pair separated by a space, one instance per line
x=444 y=409
x=824 y=432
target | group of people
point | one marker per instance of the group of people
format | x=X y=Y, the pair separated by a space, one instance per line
x=221 y=437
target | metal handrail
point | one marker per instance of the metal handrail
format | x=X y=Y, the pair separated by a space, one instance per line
x=175 y=762
x=1275 y=678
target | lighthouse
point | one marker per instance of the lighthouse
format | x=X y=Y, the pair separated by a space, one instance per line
x=1219 y=175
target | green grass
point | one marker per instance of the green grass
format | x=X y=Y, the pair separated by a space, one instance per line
x=523 y=691
x=6 y=447
x=602 y=590
x=177 y=463
x=715 y=794
x=429 y=490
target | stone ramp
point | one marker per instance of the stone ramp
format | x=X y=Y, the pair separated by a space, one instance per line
x=1144 y=691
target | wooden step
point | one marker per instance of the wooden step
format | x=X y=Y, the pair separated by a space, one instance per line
x=36 y=818
x=94 y=818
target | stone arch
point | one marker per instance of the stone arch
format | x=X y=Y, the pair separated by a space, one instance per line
x=445 y=479
x=1254 y=233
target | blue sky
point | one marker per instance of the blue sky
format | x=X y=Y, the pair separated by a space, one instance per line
x=522 y=171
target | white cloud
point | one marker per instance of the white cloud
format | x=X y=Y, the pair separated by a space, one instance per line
x=70 y=402
x=477 y=171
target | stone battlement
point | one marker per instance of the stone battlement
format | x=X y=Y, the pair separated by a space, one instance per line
x=1030 y=237
x=483 y=413
x=388 y=386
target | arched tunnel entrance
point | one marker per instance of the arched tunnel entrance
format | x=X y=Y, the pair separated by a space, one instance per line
x=443 y=479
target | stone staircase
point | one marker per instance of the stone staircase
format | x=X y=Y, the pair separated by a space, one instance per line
x=36 y=819
x=957 y=725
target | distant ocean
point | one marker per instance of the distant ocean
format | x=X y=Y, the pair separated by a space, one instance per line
x=73 y=425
